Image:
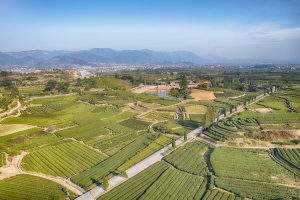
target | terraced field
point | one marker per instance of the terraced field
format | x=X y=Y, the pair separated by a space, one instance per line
x=135 y=124
x=64 y=159
x=292 y=156
x=257 y=190
x=153 y=147
x=217 y=194
x=249 y=164
x=31 y=187
x=98 y=172
x=136 y=186
x=176 y=184
x=189 y=158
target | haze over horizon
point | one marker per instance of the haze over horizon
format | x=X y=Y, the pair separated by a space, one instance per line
x=231 y=29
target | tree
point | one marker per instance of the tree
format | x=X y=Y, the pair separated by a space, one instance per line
x=210 y=116
x=183 y=84
x=185 y=136
x=105 y=183
x=173 y=142
x=50 y=85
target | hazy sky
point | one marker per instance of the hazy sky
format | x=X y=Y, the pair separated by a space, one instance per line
x=254 y=29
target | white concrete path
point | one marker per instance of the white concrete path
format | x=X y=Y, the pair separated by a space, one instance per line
x=134 y=170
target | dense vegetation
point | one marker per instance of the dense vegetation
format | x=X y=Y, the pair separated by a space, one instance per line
x=31 y=187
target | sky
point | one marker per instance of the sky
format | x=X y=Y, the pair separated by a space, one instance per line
x=236 y=29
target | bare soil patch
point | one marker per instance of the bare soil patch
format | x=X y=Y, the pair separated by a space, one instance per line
x=274 y=135
x=13 y=128
x=202 y=94
x=263 y=110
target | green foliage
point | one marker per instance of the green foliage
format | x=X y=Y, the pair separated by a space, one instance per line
x=2 y=159
x=257 y=190
x=137 y=185
x=65 y=159
x=153 y=147
x=217 y=194
x=173 y=142
x=135 y=124
x=248 y=164
x=103 y=169
x=189 y=158
x=105 y=183
x=31 y=187
x=173 y=184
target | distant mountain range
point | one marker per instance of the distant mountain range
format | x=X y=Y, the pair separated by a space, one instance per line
x=95 y=57
x=105 y=56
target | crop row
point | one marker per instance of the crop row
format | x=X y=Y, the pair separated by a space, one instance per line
x=135 y=124
x=257 y=190
x=189 y=158
x=292 y=156
x=105 y=168
x=248 y=164
x=156 y=145
x=64 y=159
x=31 y=187
x=136 y=186
x=175 y=184
x=217 y=194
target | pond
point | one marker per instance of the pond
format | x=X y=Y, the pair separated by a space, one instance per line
x=160 y=93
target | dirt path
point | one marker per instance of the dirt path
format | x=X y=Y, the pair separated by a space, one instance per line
x=13 y=167
x=10 y=110
x=50 y=96
x=236 y=97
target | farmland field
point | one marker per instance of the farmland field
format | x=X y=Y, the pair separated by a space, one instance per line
x=220 y=195
x=64 y=159
x=111 y=164
x=249 y=164
x=189 y=158
x=257 y=190
x=31 y=187
x=245 y=142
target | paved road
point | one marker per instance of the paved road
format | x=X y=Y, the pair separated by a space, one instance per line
x=134 y=170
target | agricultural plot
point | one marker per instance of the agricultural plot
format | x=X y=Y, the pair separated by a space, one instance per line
x=248 y=164
x=257 y=190
x=105 y=168
x=175 y=184
x=189 y=158
x=160 y=116
x=94 y=126
x=25 y=140
x=156 y=145
x=118 y=136
x=292 y=156
x=135 y=124
x=32 y=187
x=288 y=158
x=7 y=129
x=64 y=159
x=217 y=194
x=55 y=111
x=37 y=90
x=135 y=187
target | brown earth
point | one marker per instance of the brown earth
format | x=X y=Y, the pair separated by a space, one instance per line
x=202 y=94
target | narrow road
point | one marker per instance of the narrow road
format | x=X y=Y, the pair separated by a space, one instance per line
x=11 y=110
x=13 y=167
x=134 y=170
